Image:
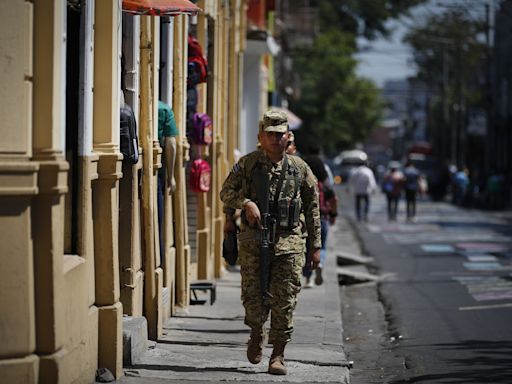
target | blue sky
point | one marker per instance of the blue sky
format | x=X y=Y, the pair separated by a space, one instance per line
x=386 y=59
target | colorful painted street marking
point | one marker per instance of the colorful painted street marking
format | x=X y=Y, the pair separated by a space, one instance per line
x=486 y=288
x=437 y=248
x=484 y=266
x=480 y=257
x=442 y=237
x=483 y=247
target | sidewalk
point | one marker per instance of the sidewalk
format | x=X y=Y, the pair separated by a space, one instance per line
x=208 y=343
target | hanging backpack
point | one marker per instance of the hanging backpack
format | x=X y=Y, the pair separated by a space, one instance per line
x=202 y=129
x=194 y=47
x=197 y=63
x=197 y=71
x=192 y=99
x=200 y=176
x=128 y=140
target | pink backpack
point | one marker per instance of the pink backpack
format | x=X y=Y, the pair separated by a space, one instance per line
x=200 y=176
x=202 y=129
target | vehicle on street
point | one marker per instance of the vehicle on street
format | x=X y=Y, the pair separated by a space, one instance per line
x=346 y=162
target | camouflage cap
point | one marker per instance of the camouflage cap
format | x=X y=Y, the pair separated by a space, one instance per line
x=274 y=121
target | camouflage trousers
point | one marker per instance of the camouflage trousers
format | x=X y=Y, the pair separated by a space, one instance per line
x=284 y=285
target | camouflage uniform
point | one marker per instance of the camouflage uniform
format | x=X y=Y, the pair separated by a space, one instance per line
x=287 y=258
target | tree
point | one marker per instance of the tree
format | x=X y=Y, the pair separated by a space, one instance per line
x=338 y=108
x=450 y=55
x=362 y=17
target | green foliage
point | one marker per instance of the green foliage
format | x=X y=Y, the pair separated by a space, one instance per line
x=450 y=55
x=338 y=108
x=448 y=49
x=362 y=17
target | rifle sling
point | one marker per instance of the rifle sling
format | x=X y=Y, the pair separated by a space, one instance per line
x=280 y=185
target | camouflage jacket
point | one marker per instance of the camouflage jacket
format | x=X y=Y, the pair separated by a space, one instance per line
x=238 y=188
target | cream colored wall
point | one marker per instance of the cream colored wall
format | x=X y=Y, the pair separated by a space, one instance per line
x=40 y=282
x=17 y=186
x=67 y=323
x=130 y=254
x=77 y=297
x=107 y=31
x=179 y=200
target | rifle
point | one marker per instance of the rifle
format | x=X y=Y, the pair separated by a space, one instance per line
x=267 y=229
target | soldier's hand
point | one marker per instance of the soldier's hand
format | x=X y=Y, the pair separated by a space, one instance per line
x=314 y=259
x=252 y=213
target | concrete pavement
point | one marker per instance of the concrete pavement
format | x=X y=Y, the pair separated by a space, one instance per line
x=208 y=343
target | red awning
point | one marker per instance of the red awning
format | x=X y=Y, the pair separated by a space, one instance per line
x=160 y=7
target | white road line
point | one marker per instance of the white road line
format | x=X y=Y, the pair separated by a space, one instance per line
x=480 y=307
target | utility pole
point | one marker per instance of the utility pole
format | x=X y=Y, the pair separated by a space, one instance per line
x=490 y=141
x=446 y=139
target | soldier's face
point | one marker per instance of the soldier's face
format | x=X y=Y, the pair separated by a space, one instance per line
x=273 y=142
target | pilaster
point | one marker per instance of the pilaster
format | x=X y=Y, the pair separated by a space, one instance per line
x=107 y=48
x=182 y=147
x=18 y=185
x=48 y=227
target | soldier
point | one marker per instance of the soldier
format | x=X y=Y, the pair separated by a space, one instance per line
x=287 y=195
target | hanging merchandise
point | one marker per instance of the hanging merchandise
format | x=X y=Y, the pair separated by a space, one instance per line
x=128 y=140
x=191 y=100
x=197 y=63
x=200 y=176
x=201 y=129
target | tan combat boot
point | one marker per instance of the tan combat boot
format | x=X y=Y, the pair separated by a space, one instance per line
x=276 y=365
x=255 y=346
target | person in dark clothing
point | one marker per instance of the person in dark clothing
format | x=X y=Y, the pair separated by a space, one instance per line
x=392 y=187
x=328 y=211
x=316 y=163
x=412 y=183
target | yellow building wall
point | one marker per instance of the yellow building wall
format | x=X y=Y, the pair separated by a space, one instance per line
x=62 y=313
x=18 y=178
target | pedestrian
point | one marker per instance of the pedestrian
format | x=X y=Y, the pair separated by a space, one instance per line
x=328 y=212
x=461 y=183
x=392 y=186
x=292 y=187
x=362 y=183
x=316 y=163
x=167 y=132
x=412 y=186
x=495 y=190
x=291 y=146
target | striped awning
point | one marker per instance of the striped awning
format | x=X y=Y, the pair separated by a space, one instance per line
x=160 y=7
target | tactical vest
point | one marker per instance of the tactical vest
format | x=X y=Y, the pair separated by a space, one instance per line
x=286 y=208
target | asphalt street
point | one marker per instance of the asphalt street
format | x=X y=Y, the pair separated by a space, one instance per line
x=445 y=290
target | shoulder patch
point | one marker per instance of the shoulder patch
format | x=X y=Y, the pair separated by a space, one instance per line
x=235 y=168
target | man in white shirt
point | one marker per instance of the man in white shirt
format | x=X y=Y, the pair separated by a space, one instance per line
x=362 y=183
